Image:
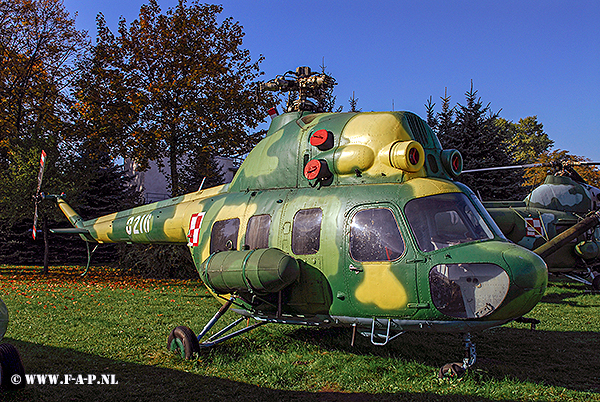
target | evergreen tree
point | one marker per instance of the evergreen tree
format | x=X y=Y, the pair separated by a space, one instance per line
x=100 y=186
x=353 y=103
x=472 y=129
x=446 y=124
x=329 y=99
x=432 y=120
x=205 y=170
x=94 y=185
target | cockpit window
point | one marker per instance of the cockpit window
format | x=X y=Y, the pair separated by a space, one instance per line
x=444 y=220
x=374 y=236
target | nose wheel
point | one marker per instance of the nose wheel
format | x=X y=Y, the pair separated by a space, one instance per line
x=456 y=370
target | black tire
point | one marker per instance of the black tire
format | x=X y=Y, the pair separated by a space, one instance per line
x=596 y=282
x=13 y=373
x=183 y=341
x=451 y=370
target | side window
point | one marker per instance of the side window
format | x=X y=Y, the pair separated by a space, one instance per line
x=374 y=236
x=306 y=231
x=224 y=234
x=257 y=232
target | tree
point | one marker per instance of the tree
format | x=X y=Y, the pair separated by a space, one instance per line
x=526 y=141
x=472 y=129
x=328 y=100
x=100 y=187
x=444 y=123
x=203 y=169
x=38 y=44
x=173 y=85
x=536 y=176
x=354 y=104
x=95 y=187
x=432 y=120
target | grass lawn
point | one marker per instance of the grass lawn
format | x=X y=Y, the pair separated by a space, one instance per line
x=110 y=324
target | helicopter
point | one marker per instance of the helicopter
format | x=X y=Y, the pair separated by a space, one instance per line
x=560 y=203
x=339 y=219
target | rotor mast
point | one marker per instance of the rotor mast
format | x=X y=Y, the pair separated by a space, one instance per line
x=310 y=87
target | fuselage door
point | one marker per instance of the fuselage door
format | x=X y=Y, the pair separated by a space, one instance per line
x=379 y=279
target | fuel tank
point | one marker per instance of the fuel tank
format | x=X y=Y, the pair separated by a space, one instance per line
x=261 y=271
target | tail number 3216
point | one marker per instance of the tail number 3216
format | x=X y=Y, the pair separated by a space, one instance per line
x=138 y=224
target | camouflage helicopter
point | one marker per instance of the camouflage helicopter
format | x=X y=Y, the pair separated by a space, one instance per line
x=564 y=201
x=340 y=219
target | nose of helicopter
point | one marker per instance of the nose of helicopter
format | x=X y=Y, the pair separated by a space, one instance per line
x=502 y=282
x=529 y=278
x=528 y=269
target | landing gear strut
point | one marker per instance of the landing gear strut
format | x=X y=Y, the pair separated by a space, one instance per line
x=455 y=370
x=184 y=341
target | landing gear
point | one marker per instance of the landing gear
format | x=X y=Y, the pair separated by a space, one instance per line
x=456 y=370
x=183 y=339
x=596 y=282
x=589 y=276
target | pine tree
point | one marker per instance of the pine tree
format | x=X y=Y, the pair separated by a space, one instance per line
x=353 y=103
x=472 y=130
x=432 y=120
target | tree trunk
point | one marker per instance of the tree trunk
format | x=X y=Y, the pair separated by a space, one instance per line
x=46 y=247
x=174 y=171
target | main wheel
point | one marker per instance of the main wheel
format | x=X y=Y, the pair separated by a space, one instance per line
x=12 y=373
x=596 y=282
x=451 y=370
x=182 y=340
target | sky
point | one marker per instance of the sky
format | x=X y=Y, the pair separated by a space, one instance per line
x=524 y=57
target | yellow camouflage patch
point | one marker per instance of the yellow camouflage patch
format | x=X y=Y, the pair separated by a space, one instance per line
x=381 y=287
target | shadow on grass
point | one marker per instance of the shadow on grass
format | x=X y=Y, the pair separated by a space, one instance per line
x=149 y=383
x=562 y=359
x=563 y=298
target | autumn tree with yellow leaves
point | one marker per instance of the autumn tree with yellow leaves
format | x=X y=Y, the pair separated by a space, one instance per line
x=536 y=175
x=173 y=85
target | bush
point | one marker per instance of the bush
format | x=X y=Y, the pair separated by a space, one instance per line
x=157 y=261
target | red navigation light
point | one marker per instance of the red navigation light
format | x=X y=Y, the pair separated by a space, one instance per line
x=273 y=112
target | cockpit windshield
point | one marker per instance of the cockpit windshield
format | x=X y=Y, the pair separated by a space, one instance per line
x=444 y=220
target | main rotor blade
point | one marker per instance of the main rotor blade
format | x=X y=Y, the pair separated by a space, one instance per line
x=580 y=163
x=530 y=165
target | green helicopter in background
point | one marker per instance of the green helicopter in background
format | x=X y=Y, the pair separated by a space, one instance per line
x=563 y=203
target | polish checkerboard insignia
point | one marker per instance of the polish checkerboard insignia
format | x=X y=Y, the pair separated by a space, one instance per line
x=534 y=227
x=194 y=233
